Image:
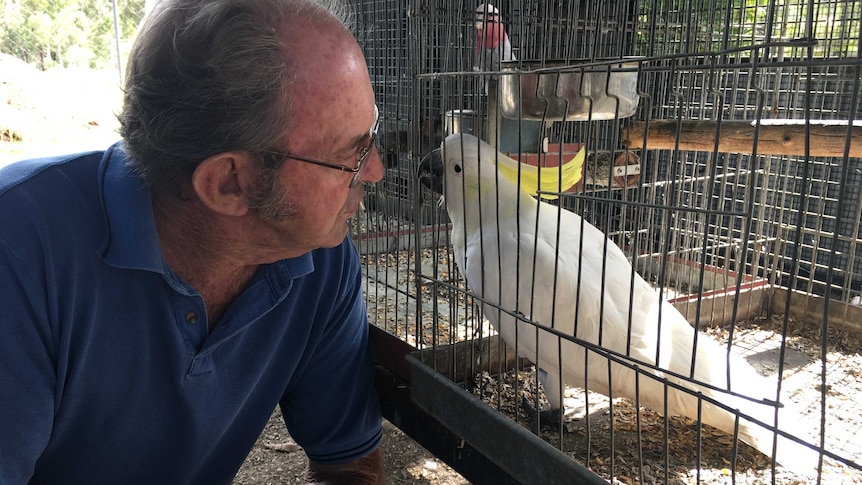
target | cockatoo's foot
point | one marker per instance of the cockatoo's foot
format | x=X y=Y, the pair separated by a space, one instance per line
x=545 y=418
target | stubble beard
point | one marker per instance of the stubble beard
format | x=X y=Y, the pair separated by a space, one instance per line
x=268 y=198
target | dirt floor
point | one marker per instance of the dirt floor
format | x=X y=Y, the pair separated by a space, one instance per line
x=640 y=453
x=624 y=443
x=276 y=459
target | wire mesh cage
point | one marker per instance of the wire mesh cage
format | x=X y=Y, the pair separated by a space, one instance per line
x=720 y=150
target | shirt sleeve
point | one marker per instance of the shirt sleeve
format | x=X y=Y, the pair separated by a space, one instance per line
x=27 y=370
x=332 y=409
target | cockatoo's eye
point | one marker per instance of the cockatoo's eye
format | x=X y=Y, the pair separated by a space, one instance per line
x=457 y=168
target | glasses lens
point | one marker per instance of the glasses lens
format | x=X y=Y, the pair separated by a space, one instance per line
x=355 y=180
x=360 y=164
x=363 y=156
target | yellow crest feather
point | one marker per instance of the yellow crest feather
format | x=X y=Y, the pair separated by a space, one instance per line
x=543 y=179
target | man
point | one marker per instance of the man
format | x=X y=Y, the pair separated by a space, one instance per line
x=160 y=298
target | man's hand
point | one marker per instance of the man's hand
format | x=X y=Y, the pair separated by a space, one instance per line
x=368 y=470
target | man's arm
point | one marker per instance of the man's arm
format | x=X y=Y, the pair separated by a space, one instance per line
x=27 y=364
x=367 y=470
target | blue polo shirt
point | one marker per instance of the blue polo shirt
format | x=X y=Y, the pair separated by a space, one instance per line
x=107 y=371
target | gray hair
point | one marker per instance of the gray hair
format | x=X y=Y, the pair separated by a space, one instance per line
x=206 y=77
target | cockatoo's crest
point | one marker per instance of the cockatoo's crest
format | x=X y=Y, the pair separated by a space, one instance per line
x=544 y=182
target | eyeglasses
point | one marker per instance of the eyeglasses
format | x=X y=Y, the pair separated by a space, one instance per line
x=363 y=154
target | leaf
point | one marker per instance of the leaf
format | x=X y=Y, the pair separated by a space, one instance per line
x=288 y=447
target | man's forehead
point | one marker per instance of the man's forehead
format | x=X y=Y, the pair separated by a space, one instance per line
x=330 y=95
x=337 y=125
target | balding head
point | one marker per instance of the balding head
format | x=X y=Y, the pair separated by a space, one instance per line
x=208 y=77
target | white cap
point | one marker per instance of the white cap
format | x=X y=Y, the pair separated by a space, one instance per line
x=480 y=10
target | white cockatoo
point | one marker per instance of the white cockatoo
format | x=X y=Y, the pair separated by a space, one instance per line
x=544 y=264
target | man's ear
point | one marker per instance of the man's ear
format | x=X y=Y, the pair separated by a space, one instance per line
x=224 y=181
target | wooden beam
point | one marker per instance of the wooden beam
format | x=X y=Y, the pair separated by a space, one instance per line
x=774 y=137
x=809 y=308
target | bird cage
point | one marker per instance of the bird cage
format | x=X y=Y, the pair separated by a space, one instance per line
x=721 y=149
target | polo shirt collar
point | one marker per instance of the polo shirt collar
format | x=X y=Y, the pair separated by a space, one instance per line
x=132 y=241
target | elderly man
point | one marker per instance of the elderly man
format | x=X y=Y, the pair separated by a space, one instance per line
x=161 y=297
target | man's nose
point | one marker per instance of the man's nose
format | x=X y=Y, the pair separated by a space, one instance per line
x=373 y=170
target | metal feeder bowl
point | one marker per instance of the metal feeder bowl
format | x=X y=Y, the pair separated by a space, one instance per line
x=556 y=91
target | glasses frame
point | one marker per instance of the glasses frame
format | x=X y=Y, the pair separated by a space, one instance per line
x=363 y=154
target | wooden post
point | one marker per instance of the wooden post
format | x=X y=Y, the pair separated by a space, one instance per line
x=774 y=137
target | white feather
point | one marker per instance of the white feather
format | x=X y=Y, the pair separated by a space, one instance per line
x=585 y=287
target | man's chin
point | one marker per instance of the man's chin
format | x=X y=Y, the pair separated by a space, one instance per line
x=339 y=235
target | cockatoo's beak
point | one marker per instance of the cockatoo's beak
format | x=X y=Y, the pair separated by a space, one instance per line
x=431 y=171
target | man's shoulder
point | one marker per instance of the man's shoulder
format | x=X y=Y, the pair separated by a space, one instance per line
x=51 y=202
x=37 y=173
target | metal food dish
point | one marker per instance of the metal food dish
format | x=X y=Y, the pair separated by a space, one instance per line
x=567 y=92
x=463 y=121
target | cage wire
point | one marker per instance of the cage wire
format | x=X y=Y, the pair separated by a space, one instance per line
x=722 y=149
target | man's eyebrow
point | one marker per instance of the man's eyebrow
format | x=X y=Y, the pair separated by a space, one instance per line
x=361 y=141
x=355 y=144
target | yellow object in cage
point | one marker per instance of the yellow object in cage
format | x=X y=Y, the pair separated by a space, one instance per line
x=545 y=182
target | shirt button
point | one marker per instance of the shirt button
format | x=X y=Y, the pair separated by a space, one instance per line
x=191 y=317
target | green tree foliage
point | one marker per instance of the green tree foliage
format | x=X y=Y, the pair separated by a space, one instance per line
x=667 y=27
x=66 y=33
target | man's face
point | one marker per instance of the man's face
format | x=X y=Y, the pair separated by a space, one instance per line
x=333 y=105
